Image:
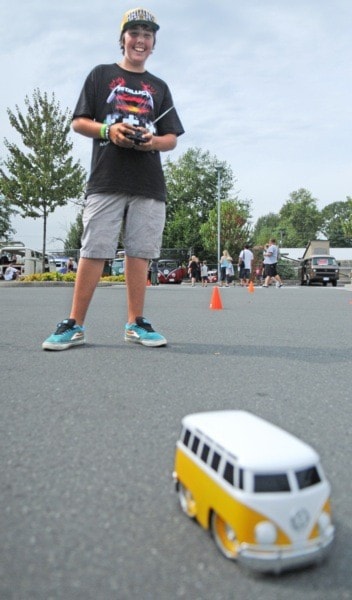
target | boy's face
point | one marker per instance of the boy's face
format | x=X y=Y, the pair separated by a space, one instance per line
x=138 y=43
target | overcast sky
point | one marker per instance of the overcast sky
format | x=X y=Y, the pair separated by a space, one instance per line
x=264 y=85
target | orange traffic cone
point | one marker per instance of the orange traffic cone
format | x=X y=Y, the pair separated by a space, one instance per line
x=251 y=287
x=148 y=282
x=215 y=302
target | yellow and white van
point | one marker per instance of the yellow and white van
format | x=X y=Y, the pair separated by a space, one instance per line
x=261 y=491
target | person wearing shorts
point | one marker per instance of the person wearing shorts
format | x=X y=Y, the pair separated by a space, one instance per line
x=129 y=113
x=270 y=264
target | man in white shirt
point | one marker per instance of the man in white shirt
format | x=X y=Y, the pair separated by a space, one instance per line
x=245 y=262
x=11 y=273
x=270 y=264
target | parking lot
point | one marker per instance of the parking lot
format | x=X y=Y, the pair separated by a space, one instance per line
x=88 y=437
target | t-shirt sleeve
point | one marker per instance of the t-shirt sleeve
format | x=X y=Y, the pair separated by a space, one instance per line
x=169 y=123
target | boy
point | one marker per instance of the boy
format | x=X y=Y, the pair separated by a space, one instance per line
x=117 y=107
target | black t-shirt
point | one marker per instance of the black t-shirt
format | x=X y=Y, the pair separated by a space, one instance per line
x=110 y=95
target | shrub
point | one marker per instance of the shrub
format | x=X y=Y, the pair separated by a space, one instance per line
x=286 y=270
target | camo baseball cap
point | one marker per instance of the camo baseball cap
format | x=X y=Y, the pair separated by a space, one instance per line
x=138 y=16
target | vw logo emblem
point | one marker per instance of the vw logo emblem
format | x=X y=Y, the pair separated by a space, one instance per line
x=300 y=519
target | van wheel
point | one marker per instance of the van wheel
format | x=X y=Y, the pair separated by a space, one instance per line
x=224 y=536
x=187 y=501
x=334 y=283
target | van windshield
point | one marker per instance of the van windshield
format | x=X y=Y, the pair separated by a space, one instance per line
x=271 y=483
x=307 y=477
x=321 y=261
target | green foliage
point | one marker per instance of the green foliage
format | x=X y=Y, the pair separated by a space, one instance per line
x=6 y=231
x=67 y=277
x=73 y=239
x=41 y=178
x=192 y=192
x=298 y=222
x=234 y=227
x=286 y=270
x=265 y=228
x=300 y=219
x=114 y=278
x=337 y=223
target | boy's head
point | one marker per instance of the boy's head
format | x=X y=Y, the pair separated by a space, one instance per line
x=137 y=17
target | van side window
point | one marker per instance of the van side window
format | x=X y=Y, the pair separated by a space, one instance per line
x=187 y=435
x=195 y=444
x=205 y=452
x=229 y=473
x=215 y=461
x=307 y=477
x=271 y=483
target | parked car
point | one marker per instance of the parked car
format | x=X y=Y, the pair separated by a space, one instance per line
x=118 y=266
x=319 y=269
x=212 y=275
x=171 y=271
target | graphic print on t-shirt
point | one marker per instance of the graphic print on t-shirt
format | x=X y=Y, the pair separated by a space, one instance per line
x=135 y=107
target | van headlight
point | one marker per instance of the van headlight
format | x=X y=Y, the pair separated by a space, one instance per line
x=324 y=522
x=265 y=533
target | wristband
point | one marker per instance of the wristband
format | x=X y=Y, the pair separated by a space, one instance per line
x=103 y=129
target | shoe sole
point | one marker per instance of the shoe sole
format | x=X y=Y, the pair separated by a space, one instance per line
x=148 y=343
x=53 y=346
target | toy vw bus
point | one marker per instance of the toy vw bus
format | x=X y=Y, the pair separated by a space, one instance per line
x=261 y=491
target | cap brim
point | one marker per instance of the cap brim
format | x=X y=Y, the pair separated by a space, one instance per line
x=131 y=24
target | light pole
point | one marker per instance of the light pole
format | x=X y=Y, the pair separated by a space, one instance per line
x=218 y=170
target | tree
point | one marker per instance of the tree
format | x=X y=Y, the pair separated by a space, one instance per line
x=347 y=226
x=73 y=240
x=6 y=231
x=44 y=177
x=335 y=216
x=191 y=184
x=300 y=219
x=266 y=227
x=234 y=227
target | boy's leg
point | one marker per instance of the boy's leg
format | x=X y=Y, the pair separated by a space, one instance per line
x=136 y=270
x=88 y=274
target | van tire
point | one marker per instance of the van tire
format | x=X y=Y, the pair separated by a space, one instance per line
x=224 y=536
x=187 y=501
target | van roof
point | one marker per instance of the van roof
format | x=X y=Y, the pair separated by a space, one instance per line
x=254 y=442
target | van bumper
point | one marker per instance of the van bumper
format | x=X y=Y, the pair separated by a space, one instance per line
x=275 y=559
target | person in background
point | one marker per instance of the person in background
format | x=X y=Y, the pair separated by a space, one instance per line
x=193 y=269
x=154 y=272
x=11 y=273
x=245 y=261
x=204 y=273
x=69 y=265
x=118 y=108
x=271 y=254
x=224 y=261
x=230 y=273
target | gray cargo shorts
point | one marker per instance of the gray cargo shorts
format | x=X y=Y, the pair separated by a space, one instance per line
x=103 y=216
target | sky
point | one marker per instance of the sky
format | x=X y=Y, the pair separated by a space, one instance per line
x=263 y=85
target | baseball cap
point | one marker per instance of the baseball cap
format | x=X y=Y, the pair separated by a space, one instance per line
x=138 y=16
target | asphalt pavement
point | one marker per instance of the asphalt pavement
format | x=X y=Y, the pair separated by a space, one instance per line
x=87 y=440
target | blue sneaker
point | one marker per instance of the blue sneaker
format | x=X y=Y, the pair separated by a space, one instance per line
x=66 y=335
x=142 y=332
